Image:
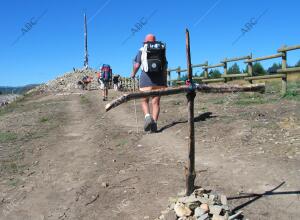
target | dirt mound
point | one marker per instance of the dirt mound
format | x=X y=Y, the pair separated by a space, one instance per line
x=68 y=81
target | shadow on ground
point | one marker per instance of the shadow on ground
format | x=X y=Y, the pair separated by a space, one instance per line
x=200 y=117
x=260 y=195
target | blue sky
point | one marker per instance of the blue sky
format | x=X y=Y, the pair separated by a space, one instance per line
x=54 y=44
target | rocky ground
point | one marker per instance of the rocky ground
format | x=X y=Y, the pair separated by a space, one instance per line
x=63 y=157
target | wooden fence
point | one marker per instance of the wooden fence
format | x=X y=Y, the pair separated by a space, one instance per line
x=281 y=73
x=128 y=84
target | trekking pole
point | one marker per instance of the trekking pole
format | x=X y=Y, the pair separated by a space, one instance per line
x=134 y=102
x=136 y=119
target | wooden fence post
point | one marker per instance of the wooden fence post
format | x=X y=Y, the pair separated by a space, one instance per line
x=169 y=78
x=178 y=73
x=205 y=73
x=284 y=79
x=250 y=70
x=225 y=70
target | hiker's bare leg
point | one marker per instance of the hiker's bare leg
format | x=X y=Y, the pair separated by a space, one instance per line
x=106 y=92
x=155 y=107
x=145 y=106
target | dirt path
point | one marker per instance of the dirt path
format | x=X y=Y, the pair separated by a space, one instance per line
x=95 y=166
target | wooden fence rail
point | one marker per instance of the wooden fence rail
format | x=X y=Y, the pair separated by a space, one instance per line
x=282 y=73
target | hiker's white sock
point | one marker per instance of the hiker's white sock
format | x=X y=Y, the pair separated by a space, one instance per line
x=147 y=115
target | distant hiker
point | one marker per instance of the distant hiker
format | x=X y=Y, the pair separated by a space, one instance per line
x=85 y=82
x=116 y=82
x=104 y=79
x=152 y=60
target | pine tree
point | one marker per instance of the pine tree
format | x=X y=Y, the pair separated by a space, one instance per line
x=273 y=69
x=258 y=69
x=234 y=69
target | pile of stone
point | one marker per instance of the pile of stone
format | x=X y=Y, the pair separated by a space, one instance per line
x=200 y=205
x=69 y=81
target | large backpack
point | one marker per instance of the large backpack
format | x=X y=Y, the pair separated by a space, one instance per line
x=156 y=56
x=106 y=72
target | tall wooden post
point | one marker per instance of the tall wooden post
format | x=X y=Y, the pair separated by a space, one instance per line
x=190 y=169
x=86 y=56
x=284 y=79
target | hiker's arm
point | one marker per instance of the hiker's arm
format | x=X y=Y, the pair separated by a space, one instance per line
x=136 y=64
x=136 y=67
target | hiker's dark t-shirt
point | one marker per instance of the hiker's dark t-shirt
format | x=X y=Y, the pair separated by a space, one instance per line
x=150 y=79
x=115 y=79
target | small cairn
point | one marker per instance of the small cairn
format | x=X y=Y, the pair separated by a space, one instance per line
x=200 y=205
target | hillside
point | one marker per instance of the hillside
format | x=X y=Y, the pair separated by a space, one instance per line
x=63 y=157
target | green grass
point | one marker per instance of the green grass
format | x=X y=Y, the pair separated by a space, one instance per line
x=14 y=182
x=44 y=119
x=252 y=99
x=273 y=87
x=12 y=106
x=293 y=91
x=84 y=100
x=10 y=167
x=219 y=101
x=7 y=136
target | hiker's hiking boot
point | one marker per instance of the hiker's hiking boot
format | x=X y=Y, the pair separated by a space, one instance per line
x=154 y=127
x=148 y=123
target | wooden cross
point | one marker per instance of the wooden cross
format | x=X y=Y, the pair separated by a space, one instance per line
x=190 y=91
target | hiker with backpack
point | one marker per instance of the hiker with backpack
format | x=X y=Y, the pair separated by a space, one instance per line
x=104 y=78
x=152 y=60
x=116 y=82
x=85 y=82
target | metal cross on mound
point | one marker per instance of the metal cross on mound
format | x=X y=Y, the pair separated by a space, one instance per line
x=190 y=91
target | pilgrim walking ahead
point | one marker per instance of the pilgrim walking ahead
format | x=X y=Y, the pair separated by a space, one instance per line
x=152 y=60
